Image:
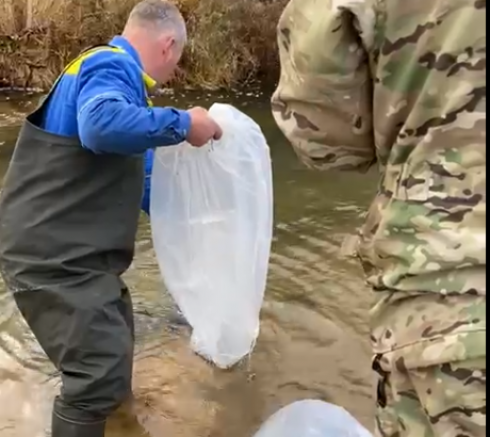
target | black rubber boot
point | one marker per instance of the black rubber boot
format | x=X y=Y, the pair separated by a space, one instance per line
x=65 y=428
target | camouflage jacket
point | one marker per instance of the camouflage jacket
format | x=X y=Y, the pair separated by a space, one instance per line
x=400 y=84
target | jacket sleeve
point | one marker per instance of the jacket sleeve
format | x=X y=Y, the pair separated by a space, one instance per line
x=323 y=101
x=112 y=114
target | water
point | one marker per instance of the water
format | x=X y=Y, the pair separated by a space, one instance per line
x=314 y=333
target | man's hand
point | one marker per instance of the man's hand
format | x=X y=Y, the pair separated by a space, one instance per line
x=203 y=127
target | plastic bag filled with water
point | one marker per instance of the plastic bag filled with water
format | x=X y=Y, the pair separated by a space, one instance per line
x=312 y=418
x=211 y=219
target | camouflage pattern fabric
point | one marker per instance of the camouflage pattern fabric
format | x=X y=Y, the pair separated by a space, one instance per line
x=447 y=400
x=401 y=85
x=437 y=387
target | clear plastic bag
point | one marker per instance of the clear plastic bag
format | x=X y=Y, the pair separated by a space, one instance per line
x=211 y=217
x=312 y=418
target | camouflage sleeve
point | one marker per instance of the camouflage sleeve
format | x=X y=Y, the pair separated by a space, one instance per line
x=323 y=102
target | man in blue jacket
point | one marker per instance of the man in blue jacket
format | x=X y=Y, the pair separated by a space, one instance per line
x=70 y=206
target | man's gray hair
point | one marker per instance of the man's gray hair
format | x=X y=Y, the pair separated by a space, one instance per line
x=160 y=14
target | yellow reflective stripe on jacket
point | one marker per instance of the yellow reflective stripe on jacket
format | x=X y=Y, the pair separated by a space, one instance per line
x=73 y=68
x=149 y=82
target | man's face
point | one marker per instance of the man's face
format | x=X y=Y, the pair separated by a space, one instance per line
x=169 y=52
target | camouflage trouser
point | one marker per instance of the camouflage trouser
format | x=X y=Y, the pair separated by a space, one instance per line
x=447 y=400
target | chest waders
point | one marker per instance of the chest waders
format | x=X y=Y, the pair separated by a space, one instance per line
x=68 y=222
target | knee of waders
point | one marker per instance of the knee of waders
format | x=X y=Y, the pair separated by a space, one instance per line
x=87 y=333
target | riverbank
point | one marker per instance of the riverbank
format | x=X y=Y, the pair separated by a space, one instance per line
x=231 y=42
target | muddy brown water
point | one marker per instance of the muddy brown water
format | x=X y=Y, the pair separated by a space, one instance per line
x=314 y=333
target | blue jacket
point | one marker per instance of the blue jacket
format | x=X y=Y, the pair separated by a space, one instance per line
x=103 y=101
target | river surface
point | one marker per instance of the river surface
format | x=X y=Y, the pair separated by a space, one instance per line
x=314 y=333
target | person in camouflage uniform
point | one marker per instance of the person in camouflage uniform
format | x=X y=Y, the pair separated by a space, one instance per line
x=402 y=83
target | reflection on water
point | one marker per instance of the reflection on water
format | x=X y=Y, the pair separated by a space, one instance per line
x=313 y=343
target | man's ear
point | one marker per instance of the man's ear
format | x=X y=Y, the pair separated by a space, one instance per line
x=168 y=42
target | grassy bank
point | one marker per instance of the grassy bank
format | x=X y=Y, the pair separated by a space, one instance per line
x=231 y=41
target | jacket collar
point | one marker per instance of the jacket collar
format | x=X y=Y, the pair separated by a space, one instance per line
x=124 y=44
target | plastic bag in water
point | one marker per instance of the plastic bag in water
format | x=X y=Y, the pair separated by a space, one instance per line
x=312 y=418
x=211 y=219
